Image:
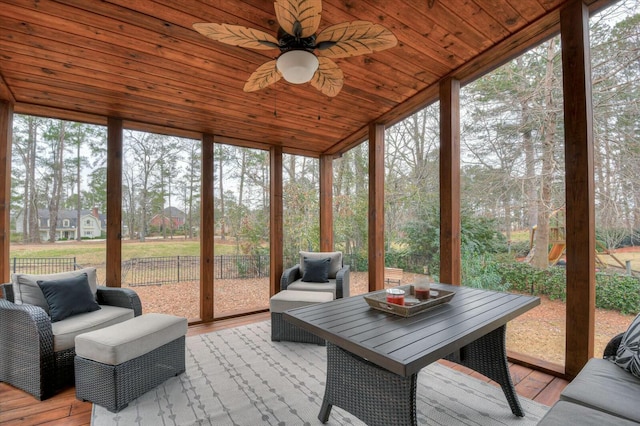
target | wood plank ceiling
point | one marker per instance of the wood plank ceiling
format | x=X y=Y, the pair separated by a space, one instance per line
x=140 y=60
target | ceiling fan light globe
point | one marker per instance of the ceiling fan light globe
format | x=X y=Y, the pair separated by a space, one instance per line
x=297 y=66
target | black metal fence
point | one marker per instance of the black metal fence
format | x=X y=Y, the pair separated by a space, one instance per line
x=160 y=270
x=173 y=269
x=43 y=265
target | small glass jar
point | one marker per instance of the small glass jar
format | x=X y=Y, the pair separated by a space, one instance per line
x=422 y=289
x=395 y=296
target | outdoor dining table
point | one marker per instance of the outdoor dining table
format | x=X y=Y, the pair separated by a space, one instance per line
x=373 y=357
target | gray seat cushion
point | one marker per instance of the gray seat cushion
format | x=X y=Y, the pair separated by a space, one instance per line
x=606 y=387
x=300 y=285
x=565 y=413
x=131 y=339
x=65 y=331
x=289 y=299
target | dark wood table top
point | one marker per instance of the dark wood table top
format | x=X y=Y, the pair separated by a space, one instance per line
x=406 y=345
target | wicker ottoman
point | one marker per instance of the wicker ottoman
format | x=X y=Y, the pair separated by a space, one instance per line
x=289 y=299
x=117 y=364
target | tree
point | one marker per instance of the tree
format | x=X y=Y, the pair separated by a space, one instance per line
x=25 y=145
x=144 y=155
x=55 y=135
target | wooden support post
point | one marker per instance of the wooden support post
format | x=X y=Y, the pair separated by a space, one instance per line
x=114 y=203
x=6 y=140
x=376 y=207
x=207 y=231
x=326 y=203
x=580 y=213
x=450 y=228
x=276 y=229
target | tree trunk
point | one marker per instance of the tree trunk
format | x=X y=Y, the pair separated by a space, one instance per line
x=541 y=255
x=220 y=181
x=56 y=192
x=34 y=217
x=170 y=210
x=507 y=218
x=162 y=217
x=79 y=205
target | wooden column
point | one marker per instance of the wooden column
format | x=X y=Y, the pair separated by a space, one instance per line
x=450 y=269
x=6 y=140
x=114 y=203
x=580 y=215
x=326 y=203
x=207 y=231
x=276 y=229
x=376 y=207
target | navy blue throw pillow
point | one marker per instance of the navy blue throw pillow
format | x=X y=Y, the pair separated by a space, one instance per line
x=68 y=296
x=316 y=270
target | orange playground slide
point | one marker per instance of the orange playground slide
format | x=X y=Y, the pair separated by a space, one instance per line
x=556 y=253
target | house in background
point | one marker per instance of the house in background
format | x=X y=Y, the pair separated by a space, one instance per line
x=92 y=224
x=171 y=218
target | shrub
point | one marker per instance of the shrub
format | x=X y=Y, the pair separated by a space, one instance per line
x=618 y=292
x=613 y=291
x=482 y=272
x=521 y=277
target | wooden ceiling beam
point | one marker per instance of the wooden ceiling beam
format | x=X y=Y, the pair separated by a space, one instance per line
x=5 y=92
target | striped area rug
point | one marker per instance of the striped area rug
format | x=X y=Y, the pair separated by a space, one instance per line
x=239 y=377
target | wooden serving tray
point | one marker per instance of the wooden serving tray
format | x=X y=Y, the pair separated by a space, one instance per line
x=378 y=300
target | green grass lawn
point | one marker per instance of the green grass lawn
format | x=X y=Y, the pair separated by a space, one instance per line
x=91 y=253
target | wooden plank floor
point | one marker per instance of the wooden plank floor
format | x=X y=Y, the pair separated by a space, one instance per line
x=20 y=408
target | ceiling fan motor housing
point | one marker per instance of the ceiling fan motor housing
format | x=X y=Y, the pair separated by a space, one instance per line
x=287 y=42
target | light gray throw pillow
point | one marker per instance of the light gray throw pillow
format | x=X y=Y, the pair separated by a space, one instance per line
x=26 y=290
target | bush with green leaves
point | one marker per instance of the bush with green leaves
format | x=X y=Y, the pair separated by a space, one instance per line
x=479 y=235
x=613 y=291
x=483 y=272
x=618 y=292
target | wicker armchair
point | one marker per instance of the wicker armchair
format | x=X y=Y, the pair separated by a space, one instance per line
x=27 y=358
x=293 y=276
x=612 y=347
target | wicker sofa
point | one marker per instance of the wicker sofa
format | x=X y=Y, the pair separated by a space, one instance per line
x=601 y=394
x=37 y=355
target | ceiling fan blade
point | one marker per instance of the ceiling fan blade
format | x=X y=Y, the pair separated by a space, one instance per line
x=354 y=38
x=328 y=78
x=237 y=35
x=299 y=18
x=265 y=75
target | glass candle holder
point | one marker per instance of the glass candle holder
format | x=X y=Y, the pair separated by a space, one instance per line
x=395 y=296
x=422 y=289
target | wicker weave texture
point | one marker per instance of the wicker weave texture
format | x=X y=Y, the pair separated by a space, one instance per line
x=282 y=330
x=488 y=355
x=373 y=394
x=114 y=386
x=27 y=359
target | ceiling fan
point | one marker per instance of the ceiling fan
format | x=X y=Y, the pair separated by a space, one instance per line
x=297 y=40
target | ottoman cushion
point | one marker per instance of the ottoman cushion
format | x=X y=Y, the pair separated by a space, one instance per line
x=300 y=285
x=65 y=331
x=130 y=339
x=289 y=299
